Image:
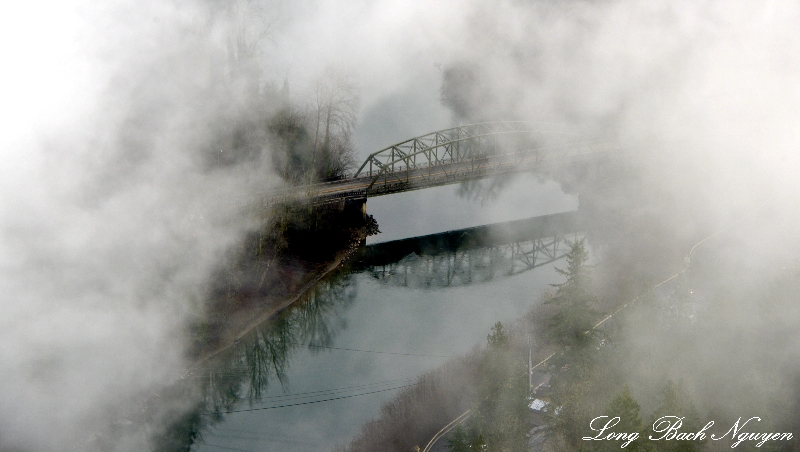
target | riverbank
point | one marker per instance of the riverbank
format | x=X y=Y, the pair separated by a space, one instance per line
x=239 y=323
x=618 y=369
x=273 y=267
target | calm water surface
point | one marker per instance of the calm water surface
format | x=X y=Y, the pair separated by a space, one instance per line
x=383 y=326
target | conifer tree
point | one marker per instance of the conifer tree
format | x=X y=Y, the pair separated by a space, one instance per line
x=571 y=325
x=675 y=402
x=498 y=338
x=627 y=408
x=572 y=371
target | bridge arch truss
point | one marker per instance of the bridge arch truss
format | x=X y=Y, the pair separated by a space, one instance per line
x=471 y=152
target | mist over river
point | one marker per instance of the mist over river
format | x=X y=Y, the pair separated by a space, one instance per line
x=144 y=145
x=385 y=331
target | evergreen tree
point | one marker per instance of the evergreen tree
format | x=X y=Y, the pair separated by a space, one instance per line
x=572 y=371
x=569 y=414
x=459 y=440
x=675 y=402
x=466 y=440
x=571 y=325
x=498 y=339
x=502 y=417
x=627 y=408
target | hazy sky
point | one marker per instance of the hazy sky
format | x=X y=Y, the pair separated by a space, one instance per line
x=110 y=221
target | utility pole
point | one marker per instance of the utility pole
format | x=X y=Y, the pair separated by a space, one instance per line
x=530 y=368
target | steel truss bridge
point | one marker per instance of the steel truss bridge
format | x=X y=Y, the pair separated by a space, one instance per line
x=460 y=154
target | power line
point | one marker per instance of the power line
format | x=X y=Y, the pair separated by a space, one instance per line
x=317 y=401
x=225 y=447
x=262 y=437
x=375 y=351
x=334 y=390
x=683 y=270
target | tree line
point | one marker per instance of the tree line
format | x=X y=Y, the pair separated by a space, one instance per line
x=580 y=381
x=591 y=384
x=307 y=137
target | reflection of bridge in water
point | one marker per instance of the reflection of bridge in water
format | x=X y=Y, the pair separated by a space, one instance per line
x=473 y=255
x=459 y=154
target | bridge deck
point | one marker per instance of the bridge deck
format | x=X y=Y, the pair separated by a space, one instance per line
x=455 y=155
x=443 y=174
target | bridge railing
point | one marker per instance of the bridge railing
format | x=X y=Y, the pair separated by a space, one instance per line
x=486 y=163
x=449 y=145
x=455 y=155
x=460 y=151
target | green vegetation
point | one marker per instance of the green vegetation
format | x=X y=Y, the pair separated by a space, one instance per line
x=627 y=408
x=569 y=329
x=584 y=370
x=571 y=325
x=500 y=419
x=585 y=382
x=675 y=400
x=608 y=371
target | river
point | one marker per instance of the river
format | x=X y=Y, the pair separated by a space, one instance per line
x=313 y=376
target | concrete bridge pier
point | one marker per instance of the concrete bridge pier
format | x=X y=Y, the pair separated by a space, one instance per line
x=355 y=209
x=355 y=213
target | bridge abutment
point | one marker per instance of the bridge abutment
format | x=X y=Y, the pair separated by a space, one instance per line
x=357 y=208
